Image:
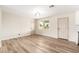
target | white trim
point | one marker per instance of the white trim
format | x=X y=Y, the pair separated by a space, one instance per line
x=15 y=36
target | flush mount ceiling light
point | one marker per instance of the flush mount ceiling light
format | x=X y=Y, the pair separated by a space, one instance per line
x=36 y=12
x=51 y=6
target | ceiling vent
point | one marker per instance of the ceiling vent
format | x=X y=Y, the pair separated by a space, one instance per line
x=51 y=6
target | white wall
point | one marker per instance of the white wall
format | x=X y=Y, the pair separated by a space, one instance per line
x=0 y=23
x=77 y=17
x=0 y=26
x=13 y=24
x=52 y=32
x=77 y=24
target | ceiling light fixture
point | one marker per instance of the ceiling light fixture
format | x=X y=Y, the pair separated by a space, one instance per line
x=36 y=12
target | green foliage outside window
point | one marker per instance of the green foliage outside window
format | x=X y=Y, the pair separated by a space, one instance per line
x=44 y=24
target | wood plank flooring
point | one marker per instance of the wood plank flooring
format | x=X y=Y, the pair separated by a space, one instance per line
x=38 y=44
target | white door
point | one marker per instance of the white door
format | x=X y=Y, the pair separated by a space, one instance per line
x=63 y=27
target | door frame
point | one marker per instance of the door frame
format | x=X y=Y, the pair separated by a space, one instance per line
x=58 y=27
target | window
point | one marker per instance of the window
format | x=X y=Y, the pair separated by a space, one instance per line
x=44 y=24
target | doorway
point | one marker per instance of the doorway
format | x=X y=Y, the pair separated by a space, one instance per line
x=63 y=28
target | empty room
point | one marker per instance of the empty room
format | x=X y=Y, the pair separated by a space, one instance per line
x=39 y=28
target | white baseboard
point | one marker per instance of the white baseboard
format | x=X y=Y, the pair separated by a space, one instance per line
x=47 y=35
x=14 y=36
x=76 y=42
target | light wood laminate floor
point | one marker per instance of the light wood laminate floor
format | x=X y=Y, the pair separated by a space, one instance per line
x=38 y=44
